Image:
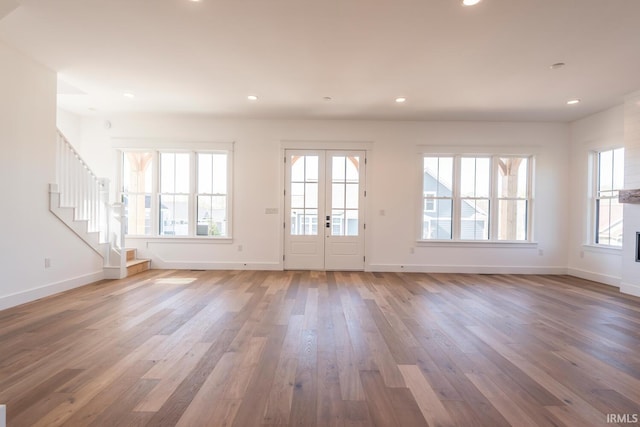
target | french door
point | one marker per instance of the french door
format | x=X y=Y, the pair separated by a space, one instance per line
x=324 y=218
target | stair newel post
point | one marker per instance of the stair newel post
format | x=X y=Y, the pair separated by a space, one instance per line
x=123 y=224
x=103 y=215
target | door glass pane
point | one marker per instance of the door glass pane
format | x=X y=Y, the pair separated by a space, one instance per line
x=337 y=196
x=338 y=222
x=352 y=196
x=297 y=220
x=297 y=195
x=311 y=195
x=351 y=226
x=310 y=222
x=353 y=167
x=345 y=177
x=304 y=195
x=297 y=169
x=311 y=168
x=338 y=169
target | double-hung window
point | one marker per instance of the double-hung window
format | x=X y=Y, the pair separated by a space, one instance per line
x=176 y=193
x=609 y=180
x=476 y=198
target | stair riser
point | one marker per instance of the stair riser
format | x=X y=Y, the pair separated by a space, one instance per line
x=138 y=268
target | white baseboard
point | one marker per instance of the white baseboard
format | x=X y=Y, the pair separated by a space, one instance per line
x=596 y=277
x=18 y=298
x=465 y=269
x=156 y=263
x=628 y=288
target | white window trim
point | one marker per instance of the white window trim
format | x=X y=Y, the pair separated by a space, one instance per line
x=158 y=146
x=457 y=153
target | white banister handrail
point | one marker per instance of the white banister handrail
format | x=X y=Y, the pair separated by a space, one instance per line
x=81 y=189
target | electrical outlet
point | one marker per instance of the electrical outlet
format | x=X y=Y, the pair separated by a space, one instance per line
x=581 y=254
x=240 y=248
x=47 y=263
x=540 y=252
x=412 y=250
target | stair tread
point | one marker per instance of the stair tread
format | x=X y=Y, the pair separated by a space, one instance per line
x=136 y=262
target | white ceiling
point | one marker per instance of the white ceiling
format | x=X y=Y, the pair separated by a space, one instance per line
x=487 y=62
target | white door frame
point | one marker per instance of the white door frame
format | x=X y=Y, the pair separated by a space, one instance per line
x=365 y=146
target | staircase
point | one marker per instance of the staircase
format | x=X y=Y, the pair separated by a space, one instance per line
x=81 y=201
x=134 y=264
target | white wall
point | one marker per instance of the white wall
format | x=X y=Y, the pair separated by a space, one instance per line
x=393 y=182
x=71 y=127
x=599 y=131
x=631 y=268
x=30 y=233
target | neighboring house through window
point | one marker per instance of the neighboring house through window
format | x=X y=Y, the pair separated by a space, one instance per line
x=471 y=198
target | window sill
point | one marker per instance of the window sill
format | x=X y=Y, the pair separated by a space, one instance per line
x=476 y=244
x=603 y=249
x=182 y=239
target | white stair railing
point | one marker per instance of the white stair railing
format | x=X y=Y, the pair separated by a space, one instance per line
x=81 y=189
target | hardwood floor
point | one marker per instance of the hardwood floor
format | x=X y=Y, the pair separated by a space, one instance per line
x=222 y=348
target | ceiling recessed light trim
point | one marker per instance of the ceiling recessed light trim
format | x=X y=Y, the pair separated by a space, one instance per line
x=557 y=65
x=128 y=95
x=470 y=2
x=401 y=99
x=573 y=101
x=252 y=97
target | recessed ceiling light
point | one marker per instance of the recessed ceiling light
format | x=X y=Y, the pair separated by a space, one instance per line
x=557 y=65
x=327 y=98
x=128 y=95
x=470 y=2
x=573 y=101
x=401 y=99
x=252 y=98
